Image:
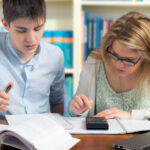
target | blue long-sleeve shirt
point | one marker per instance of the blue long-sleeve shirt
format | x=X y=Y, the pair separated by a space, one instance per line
x=37 y=83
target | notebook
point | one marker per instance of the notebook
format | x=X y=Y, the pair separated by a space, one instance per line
x=139 y=142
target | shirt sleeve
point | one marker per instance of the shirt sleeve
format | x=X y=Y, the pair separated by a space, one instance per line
x=57 y=88
x=86 y=86
x=141 y=114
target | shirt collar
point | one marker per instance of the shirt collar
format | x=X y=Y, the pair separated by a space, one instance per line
x=10 y=48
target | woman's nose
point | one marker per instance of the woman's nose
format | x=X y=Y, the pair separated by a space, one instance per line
x=119 y=63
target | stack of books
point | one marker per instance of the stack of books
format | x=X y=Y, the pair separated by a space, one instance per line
x=64 y=40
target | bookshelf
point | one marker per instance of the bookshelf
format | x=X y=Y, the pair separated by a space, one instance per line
x=104 y=9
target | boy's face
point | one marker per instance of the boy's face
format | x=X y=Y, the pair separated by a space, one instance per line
x=25 y=35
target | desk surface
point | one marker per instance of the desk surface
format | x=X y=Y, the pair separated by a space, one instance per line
x=98 y=142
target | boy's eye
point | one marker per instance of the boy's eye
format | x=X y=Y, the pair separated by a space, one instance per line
x=37 y=29
x=21 y=31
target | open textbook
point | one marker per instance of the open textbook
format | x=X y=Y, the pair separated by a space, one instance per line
x=76 y=125
x=36 y=133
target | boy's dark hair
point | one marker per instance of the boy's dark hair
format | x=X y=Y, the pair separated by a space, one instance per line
x=14 y=9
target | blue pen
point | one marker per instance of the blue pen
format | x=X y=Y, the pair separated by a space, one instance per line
x=8 y=89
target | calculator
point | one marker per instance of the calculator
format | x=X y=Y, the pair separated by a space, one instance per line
x=96 y=123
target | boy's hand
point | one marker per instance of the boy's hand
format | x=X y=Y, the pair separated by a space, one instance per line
x=80 y=104
x=114 y=113
x=4 y=97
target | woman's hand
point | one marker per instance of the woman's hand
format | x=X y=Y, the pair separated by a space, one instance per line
x=114 y=113
x=80 y=104
x=4 y=98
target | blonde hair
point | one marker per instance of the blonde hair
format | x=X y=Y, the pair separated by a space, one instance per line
x=133 y=31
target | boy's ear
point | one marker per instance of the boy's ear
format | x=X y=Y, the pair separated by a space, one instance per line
x=5 y=24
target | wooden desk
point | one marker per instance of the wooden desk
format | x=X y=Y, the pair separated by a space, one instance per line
x=98 y=142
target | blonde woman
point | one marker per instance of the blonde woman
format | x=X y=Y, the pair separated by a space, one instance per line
x=115 y=80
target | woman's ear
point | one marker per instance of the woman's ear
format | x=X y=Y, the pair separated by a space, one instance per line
x=5 y=24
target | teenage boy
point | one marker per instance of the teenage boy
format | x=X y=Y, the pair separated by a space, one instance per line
x=33 y=68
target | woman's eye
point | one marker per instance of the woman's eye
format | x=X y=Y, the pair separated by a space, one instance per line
x=115 y=54
x=129 y=60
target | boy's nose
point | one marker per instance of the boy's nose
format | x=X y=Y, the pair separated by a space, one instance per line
x=30 y=37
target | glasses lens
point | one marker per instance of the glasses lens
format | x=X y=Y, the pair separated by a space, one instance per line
x=127 y=63
x=124 y=61
x=113 y=56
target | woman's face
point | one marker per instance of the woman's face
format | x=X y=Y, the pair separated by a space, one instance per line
x=124 y=61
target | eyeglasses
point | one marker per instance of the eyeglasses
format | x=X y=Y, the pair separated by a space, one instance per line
x=126 y=61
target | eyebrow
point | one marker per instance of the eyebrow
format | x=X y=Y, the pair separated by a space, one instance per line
x=123 y=57
x=22 y=28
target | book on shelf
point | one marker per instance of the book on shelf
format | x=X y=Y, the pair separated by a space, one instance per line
x=96 y=32
x=90 y=34
x=82 y=37
x=64 y=40
x=85 y=13
x=68 y=94
x=37 y=132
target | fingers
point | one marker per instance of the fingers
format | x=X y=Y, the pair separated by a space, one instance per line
x=86 y=101
x=4 y=103
x=108 y=113
x=4 y=97
x=3 y=108
x=80 y=104
x=114 y=113
x=108 y=116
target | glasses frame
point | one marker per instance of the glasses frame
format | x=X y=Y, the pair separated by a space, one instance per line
x=123 y=60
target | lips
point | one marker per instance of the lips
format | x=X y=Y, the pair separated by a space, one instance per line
x=120 y=70
x=30 y=47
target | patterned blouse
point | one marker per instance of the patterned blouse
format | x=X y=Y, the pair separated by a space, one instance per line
x=107 y=98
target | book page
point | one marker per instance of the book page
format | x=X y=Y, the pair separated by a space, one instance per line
x=44 y=133
x=61 y=120
x=2 y=127
x=74 y=125
x=14 y=140
x=135 y=125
